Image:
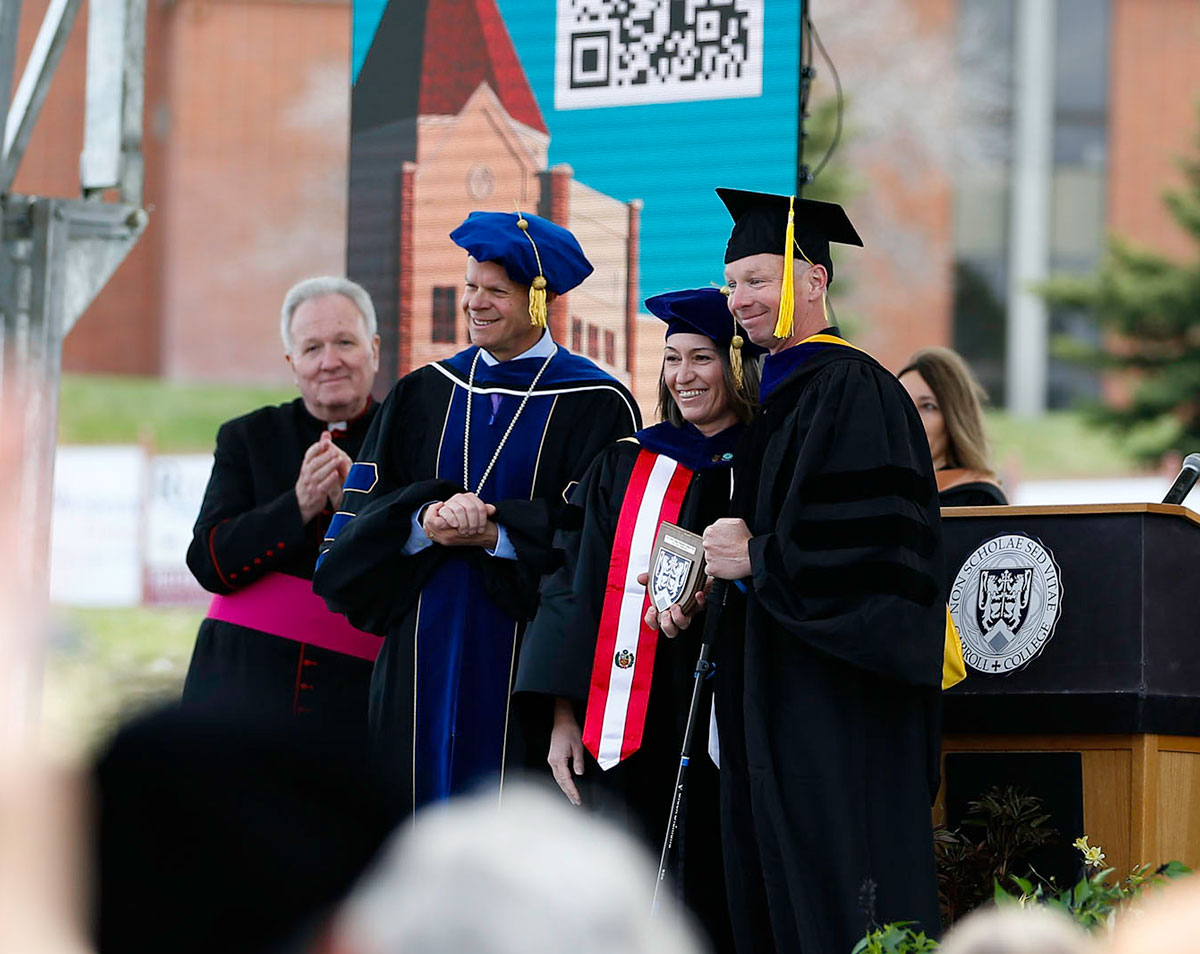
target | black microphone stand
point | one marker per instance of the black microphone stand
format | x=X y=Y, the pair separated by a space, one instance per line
x=712 y=620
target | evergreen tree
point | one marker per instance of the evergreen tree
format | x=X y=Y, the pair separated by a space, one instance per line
x=1149 y=305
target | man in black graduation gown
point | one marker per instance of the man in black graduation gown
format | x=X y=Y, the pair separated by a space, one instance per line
x=831 y=653
x=450 y=510
x=269 y=646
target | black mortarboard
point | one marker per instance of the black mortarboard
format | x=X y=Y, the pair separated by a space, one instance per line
x=760 y=221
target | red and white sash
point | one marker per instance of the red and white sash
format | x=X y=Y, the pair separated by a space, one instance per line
x=625 y=645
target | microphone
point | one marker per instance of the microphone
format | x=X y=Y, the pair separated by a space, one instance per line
x=1185 y=481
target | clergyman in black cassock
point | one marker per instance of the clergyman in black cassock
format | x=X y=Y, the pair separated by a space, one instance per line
x=827 y=695
x=252 y=535
x=585 y=646
x=508 y=425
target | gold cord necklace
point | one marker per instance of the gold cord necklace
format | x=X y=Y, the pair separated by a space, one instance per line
x=511 y=424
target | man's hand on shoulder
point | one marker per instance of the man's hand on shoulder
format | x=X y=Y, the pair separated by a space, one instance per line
x=727 y=549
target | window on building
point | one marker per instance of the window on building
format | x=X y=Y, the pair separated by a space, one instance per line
x=445 y=314
x=577 y=335
x=986 y=55
x=610 y=349
x=593 y=336
x=981 y=187
x=1078 y=185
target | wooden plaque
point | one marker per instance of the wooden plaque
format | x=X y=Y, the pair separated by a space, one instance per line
x=676 y=568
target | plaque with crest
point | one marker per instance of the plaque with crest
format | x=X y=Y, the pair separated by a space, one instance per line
x=676 y=568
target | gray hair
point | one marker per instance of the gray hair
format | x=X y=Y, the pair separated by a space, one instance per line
x=525 y=876
x=1032 y=929
x=319 y=287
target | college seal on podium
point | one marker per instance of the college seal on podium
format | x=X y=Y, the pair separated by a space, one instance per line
x=1005 y=602
x=676 y=568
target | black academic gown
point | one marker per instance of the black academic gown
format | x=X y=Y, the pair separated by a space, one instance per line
x=557 y=659
x=827 y=696
x=249 y=525
x=452 y=616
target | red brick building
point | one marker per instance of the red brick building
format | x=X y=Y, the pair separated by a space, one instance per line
x=247 y=126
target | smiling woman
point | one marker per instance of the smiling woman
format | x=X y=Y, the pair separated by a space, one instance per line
x=613 y=693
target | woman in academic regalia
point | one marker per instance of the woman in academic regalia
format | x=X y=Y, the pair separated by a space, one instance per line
x=615 y=693
x=950 y=401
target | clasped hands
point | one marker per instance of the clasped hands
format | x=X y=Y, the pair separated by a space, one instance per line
x=726 y=557
x=462 y=521
x=322 y=474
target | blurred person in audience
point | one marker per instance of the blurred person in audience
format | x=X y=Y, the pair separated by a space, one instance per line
x=1012 y=929
x=269 y=646
x=1162 y=919
x=569 y=675
x=451 y=507
x=532 y=876
x=211 y=834
x=950 y=401
x=40 y=807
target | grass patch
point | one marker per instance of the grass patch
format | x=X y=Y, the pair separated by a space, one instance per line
x=104 y=664
x=1057 y=444
x=172 y=417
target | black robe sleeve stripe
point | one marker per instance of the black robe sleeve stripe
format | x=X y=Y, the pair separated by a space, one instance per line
x=847 y=486
x=884 y=530
x=874 y=571
x=868 y=578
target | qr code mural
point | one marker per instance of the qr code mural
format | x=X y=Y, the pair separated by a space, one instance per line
x=631 y=52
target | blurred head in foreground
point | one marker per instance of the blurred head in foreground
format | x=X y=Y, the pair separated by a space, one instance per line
x=532 y=875
x=214 y=834
x=1161 y=920
x=1017 y=930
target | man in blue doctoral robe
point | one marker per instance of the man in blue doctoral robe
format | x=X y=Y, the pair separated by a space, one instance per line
x=449 y=513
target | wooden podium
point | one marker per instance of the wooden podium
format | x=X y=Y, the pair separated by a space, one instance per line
x=1113 y=687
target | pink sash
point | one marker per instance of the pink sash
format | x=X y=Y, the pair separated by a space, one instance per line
x=286 y=606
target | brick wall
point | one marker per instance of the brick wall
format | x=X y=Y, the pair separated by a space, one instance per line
x=1154 y=96
x=259 y=111
x=120 y=331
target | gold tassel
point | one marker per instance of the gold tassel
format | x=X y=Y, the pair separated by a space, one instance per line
x=537 y=290
x=735 y=360
x=537 y=302
x=787 y=297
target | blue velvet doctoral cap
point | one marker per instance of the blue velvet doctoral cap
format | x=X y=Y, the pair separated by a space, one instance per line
x=496 y=237
x=700 y=311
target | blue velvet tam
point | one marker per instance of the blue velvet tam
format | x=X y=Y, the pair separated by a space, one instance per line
x=701 y=311
x=497 y=237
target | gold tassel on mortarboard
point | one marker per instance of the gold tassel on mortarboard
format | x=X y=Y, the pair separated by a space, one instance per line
x=537 y=288
x=787 y=297
x=735 y=349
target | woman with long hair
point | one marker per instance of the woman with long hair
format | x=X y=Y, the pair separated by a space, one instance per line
x=614 y=692
x=950 y=401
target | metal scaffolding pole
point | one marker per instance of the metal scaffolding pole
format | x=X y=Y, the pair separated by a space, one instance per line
x=55 y=256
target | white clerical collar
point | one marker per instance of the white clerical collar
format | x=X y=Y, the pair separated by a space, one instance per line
x=543 y=349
